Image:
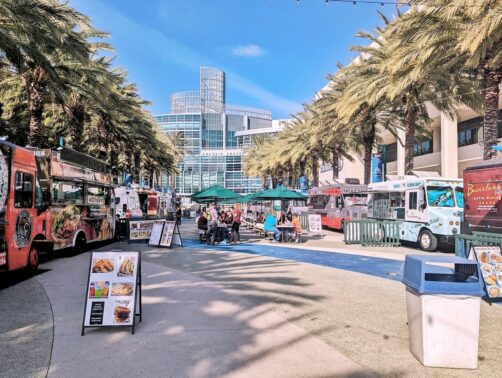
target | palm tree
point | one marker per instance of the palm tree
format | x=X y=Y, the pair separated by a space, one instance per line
x=35 y=34
x=338 y=136
x=363 y=115
x=464 y=32
x=386 y=81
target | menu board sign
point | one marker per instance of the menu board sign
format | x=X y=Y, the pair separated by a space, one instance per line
x=112 y=289
x=167 y=234
x=141 y=230
x=156 y=234
x=315 y=225
x=490 y=260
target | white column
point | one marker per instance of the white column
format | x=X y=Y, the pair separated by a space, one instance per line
x=449 y=146
x=224 y=126
x=400 y=152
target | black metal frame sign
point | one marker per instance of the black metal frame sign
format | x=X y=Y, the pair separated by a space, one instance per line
x=156 y=234
x=170 y=235
x=113 y=292
x=489 y=259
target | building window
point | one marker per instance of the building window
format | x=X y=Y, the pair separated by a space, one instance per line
x=423 y=148
x=468 y=136
x=470 y=132
x=391 y=152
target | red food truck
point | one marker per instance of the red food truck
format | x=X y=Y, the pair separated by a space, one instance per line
x=339 y=202
x=483 y=197
x=51 y=199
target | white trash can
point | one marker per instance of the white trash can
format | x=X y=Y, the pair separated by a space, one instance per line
x=443 y=300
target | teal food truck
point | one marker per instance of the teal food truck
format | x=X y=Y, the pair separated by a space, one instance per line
x=429 y=209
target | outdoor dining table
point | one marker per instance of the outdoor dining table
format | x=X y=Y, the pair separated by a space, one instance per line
x=285 y=228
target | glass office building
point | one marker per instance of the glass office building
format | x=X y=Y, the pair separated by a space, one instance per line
x=206 y=129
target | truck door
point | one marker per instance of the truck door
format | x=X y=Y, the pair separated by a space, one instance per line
x=412 y=206
x=21 y=218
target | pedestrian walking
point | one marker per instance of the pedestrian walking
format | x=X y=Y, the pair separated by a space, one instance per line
x=178 y=215
x=213 y=223
x=236 y=213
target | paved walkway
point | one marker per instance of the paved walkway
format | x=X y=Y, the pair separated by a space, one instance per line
x=249 y=310
x=26 y=329
x=190 y=327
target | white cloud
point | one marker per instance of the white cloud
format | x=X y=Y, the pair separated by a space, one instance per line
x=248 y=50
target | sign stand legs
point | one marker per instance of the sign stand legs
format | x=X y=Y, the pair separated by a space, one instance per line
x=179 y=234
x=138 y=295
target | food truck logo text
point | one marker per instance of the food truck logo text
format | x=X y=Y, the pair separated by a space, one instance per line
x=488 y=187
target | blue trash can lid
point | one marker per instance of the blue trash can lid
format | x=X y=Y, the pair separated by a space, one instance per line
x=448 y=275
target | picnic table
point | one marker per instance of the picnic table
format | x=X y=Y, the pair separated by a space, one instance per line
x=285 y=228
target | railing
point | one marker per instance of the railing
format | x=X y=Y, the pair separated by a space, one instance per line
x=371 y=233
x=463 y=242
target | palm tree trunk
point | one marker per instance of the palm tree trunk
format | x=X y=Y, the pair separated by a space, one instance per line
x=368 y=136
x=302 y=167
x=35 y=81
x=492 y=78
x=410 y=141
x=137 y=166
x=76 y=119
x=315 y=169
x=264 y=180
x=335 y=155
x=150 y=177
x=290 y=175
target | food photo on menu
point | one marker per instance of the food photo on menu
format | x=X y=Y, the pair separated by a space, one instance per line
x=126 y=266
x=491 y=269
x=99 y=289
x=122 y=312
x=102 y=265
x=120 y=289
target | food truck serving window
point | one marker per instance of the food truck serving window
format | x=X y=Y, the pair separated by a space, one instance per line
x=440 y=196
x=23 y=192
x=98 y=196
x=67 y=192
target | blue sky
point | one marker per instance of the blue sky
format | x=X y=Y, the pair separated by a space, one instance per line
x=276 y=53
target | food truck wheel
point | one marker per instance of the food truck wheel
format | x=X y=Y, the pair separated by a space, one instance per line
x=427 y=241
x=32 y=260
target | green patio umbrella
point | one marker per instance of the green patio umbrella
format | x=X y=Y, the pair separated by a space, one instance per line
x=242 y=199
x=279 y=193
x=214 y=193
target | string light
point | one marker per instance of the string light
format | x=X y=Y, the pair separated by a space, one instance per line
x=396 y=2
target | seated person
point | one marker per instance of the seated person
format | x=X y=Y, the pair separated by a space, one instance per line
x=223 y=227
x=202 y=221
x=289 y=217
x=282 y=218
x=260 y=218
x=228 y=219
x=270 y=225
x=297 y=230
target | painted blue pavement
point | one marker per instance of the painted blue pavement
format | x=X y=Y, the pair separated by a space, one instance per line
x=374 y=266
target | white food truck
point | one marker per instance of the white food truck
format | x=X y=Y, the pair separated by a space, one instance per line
x=429 y=209
x=127 y=203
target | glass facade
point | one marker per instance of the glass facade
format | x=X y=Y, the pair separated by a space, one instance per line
x=212 y=90
x=204 y=129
